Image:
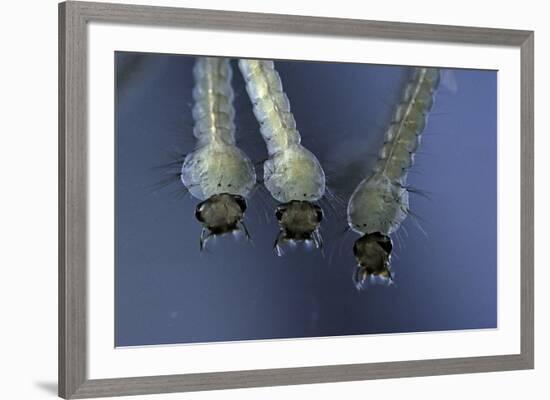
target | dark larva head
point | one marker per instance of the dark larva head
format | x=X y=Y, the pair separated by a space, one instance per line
x=373 y=254
x=221 y=213
x=299 y=220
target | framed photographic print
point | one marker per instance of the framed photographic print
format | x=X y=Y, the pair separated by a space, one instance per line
x=255 y=200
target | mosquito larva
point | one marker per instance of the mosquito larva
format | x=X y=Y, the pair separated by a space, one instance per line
x=292 y=174
x=380 y=203
x=217 y=172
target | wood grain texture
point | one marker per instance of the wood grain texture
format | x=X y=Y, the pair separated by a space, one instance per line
x=72 y=201
x=73 y=20
x=296 y=376
x=293 y=24
x=528 y=199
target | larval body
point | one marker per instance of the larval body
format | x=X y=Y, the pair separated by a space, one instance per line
x=380 y=203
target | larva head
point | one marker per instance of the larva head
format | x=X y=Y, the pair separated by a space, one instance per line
x=373 y=253
x=221 y=213
x=299 y=220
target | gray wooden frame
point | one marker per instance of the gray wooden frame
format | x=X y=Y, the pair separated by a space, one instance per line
x=73 y=19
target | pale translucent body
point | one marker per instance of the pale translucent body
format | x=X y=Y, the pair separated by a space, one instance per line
x=292 y=172
x=380 y=203
x=217 y=165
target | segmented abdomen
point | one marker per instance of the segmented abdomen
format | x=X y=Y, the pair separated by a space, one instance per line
x=380 y=203
x=403 y=135
x=217 y=165
x=213 y=110
x=292 y=172
x=270 y=104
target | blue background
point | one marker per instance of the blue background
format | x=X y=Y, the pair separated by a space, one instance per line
x=168 y=292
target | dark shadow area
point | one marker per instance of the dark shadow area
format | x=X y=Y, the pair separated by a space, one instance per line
x=48 y=387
